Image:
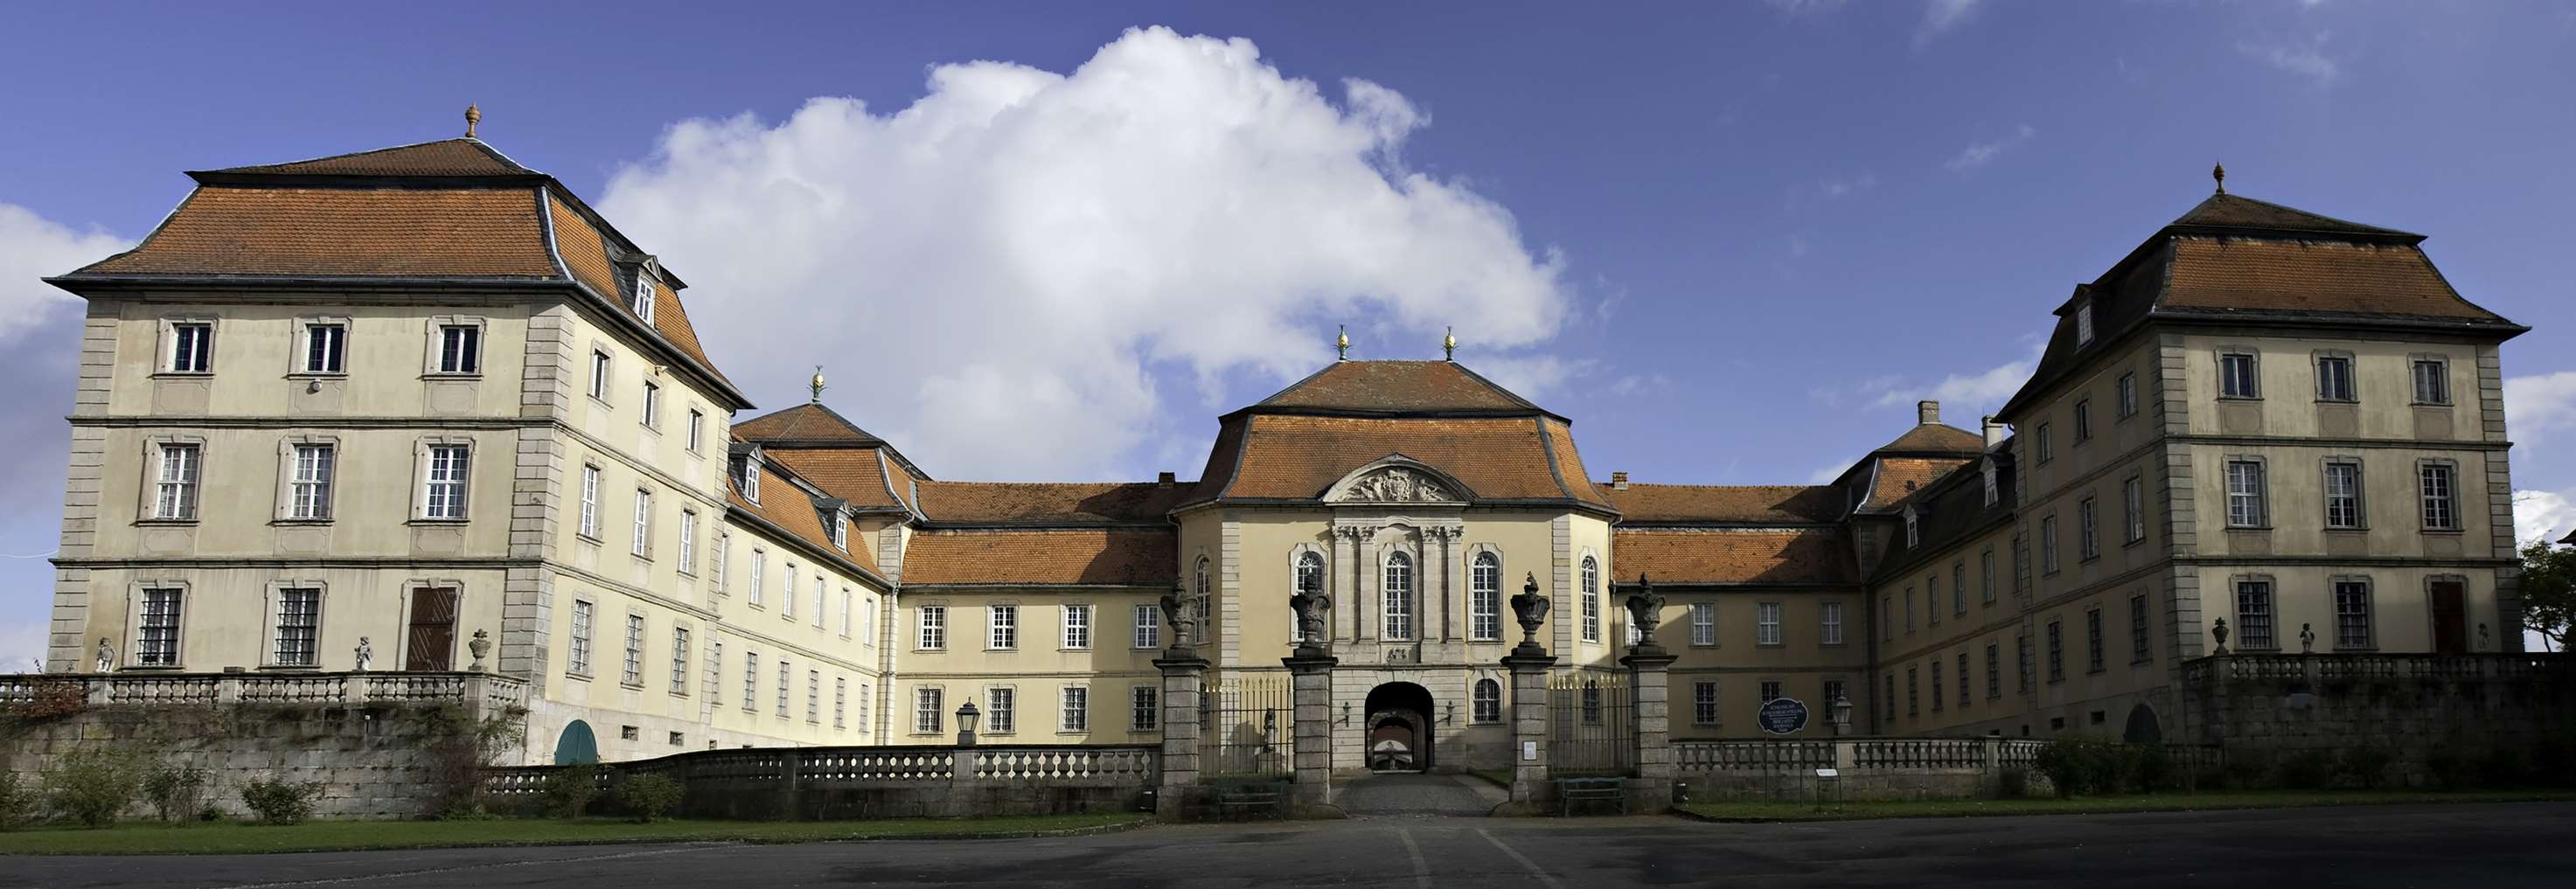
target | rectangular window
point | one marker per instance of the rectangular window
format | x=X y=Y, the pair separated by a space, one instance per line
x=2139 y=650
x=934 y=628
x=2048 y=544
x=577 y=662
x=2083 y=420
x=786 y=680
x=590 y=502
x=2246 y=506
x=2084 y=324
x=1397 y=594
x=688 y=541
x=1077 y=626
x=1703 y=703
x=460 y=349
x=2133 y=510
x=632 y=670
x=1770 y=690
x=1963 y=679
x=2047 y=444
x=840 y=701
x=822 y=589
x=1891 y=697
x=2432 y=381
x=1909 y=610
x=1147 y=713
x=1994 y=671
x=867 y=706
x=1936 y=685
x=1703 y=618
x=1932 y=599
x=156 y=641
x=2093 y=642
x=2021 y=660
x=717 y=559
x=175 y=493
x=1001 y=710
x=787 y=594
x=2056 y=652
x=926 y=711
x=2334 y=378
x=599 y=375
x=309 y=494
x=192 y=348
x=2343 y=495
x=1833 y=692
x=2254 y=615
x=643 y=523
x=2088 y=531
x=751 y=682
x=2352 y=612
x=652 y=405
x=1986 y=576
x=299 y=626
x=443 y=482
x=326 y=348
x=2128 y=395
x=1149 y=627
x=1886 y=618
x=1484 y=596
x=813 y=696
x=846 y=612
x=1766 y=623
x=679 y=660
x=1003 y=625
x=759 y=563
x=1913 y=692
x=1829 y=623
x=2441 y=513
x=2237 y=377
x=697 y=429
x=1076 y=710
x=1958 y=589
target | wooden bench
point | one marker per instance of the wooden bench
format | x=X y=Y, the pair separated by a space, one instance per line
x=1242 y=799
x=1570 y=791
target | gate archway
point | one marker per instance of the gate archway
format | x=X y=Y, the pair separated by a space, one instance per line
x=1398 y=729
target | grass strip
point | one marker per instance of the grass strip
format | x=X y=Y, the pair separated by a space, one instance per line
x=229 y=837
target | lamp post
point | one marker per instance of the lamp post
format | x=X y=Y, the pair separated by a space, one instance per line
x=1839 y=711
x=967 y=716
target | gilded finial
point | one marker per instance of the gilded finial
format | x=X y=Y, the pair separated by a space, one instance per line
x=473 y=115
x=1342 y=344
x=1449 y=344
x=2219 y=173
x=817 y=386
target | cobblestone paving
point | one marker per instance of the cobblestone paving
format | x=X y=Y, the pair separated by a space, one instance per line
x=1398 y=794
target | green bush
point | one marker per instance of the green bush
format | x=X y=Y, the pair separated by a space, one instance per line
x=212 y=812
x=2306 y=770
x=2013 y=783
x=2365 y=765
x=2154 y=769
x=570 y=789
x=173 y=791
x=93 y=785
x=281 y=802
x=648 y=797
x=17 y=801
x=2081 y=766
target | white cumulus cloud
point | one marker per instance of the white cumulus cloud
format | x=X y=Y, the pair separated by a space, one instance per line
x=1000 y=270
x=33 y=247
x=1939 y=16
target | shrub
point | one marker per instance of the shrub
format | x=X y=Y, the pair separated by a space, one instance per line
x=2153 y=769
x=52 y=697
x=2307 y=770
x=212 y=812
x=648 y=797
x=2080 y=765
x=281 y=802
x=93 y=785
x=2365 y=765
x=456 y=755
x=2013 y=783
x=569 y=790
x=17 y=801
x=173 y=791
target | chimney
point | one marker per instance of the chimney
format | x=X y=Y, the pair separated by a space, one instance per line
x=1994 y=432
x=1619 y=481
x=1927 y=412
x=1164 y=480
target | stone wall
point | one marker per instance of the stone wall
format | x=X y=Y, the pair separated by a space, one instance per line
x=2268 y=706
x=365 y=741
x=820 y=783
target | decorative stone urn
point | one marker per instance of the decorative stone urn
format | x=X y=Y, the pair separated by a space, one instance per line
x=2219 y=630
x=479 y=646
x=1178 y=615
x=1530 y=609
x=1309 y=604
x=1645 y=611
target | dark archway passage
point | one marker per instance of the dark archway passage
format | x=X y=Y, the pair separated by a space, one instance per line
x=1398 y=728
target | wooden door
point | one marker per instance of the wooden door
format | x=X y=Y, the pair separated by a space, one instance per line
x=2450 y=617
x=431 y=642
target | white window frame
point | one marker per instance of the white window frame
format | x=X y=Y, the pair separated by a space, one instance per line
x=1398 y=592
x=472 y=331
x=273 y=652
x=719 y=558
x=2439 y=510
x=786 y=688
x=759 y=566
x=2048 y=554
x=1077 y=626
x=1002 y=627
x=334 y=354
x=1705 y=703
x=751 y=682
x=589 y=526
x=1145 y=708
x=1001 y=709
x=697 y=430
x=847 y=612
x=2248 y=492
x=1146 y=632
x=2128 y=395
x=2252 y=377
x=643 y=300
x=2084 y=325
x=2133 y=510
x=1829 y=623
x=2257 y=605
x=306 y=489
x=1484 y=701
x=631 y=668
x=1485 y=597
x=689 y=541
x=174 y=494
x=146 y=651
x=602 y=366
x=175 y=331
x=1591 y=592
x=2354 y=600
x=1703 y=624
x=2348 y=503
x=1766 y=624
x=680 y=660
x=822 y=595
x=2439 y=380
x=583 y=622
x=1073 y=711
x=2335 y=383
x=444 y=496
x=643 y=543
x=787 y=593
x=652 y=407
x=930 y=626
x=929 y=709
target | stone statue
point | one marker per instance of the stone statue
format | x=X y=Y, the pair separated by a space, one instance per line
x=480 y=645
x=106 y=655
x=1530 y=609
x=1645 y=610
x=1176 y=612
x=1309 y=604
x=2483 y=641
x=2307 y=639
x=366 y=653
x=2220 y=630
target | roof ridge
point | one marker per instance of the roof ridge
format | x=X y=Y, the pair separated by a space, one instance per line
x=278 y=168
x=2343 y=226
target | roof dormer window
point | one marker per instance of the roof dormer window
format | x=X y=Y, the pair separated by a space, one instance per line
x=644 y=296
x=1913 y=529
x=2084 y=324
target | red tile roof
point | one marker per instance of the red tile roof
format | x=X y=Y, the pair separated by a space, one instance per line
x=2239 y=211
x=1050 y=503
x=856 y=475
x=446 y=157
x=787 y=506
x=329 y=232
x=1750 y=504
x=1899 y=477
x=2311 y=276
x=1142 y=557
x=1397 y=386
x=1498 y=458
x=1936 y=438
x=1720 y=556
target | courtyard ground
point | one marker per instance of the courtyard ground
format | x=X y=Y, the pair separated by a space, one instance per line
x=2486 y=845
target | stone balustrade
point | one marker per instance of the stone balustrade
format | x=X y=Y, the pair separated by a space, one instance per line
x=858 y=782
x=481 y=692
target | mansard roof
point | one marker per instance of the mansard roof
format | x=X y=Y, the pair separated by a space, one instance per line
x=1054 y=557
x=788 y=506
x=1733 y=556
x=1651 y=504
x=1398 y=387
x=815 y=426
x=453 y=213
x=1051 y=504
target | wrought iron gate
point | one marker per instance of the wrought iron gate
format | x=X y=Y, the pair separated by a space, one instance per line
x=1247 y=728
x=1589 y=732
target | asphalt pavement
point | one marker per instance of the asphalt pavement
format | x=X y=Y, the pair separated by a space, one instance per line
x=2508 y=845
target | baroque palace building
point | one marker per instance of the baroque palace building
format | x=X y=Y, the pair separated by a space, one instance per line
x=385 y=410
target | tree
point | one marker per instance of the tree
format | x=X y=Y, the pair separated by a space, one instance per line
x=2549 y=592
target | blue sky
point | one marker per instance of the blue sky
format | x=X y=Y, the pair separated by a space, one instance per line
x=1733 y=241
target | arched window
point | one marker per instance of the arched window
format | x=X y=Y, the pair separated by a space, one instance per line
x=1399 y=595
x=1487 y=702
x=1199 y=604
x=1485 y=598
x=1591 y=600
x=1310 y=576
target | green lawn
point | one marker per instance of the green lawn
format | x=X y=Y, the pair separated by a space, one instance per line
x=1770 y=810
x=320 y=836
